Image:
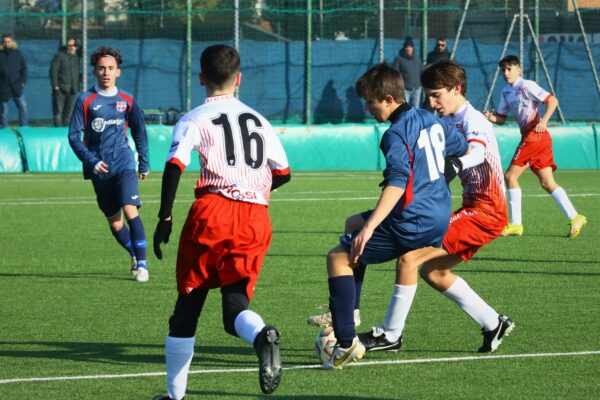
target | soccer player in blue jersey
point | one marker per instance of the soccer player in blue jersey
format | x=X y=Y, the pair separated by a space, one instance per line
x=412 y=213
x=102 y=114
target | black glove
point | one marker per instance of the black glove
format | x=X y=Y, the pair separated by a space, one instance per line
x=452 y=168
x=161 y=235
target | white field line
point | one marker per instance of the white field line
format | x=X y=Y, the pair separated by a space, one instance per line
x=312 y=366
x=155 y=200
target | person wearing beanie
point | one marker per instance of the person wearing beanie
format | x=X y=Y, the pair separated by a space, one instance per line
x=410 y=66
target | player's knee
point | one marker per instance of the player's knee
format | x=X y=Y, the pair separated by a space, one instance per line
x=229 y=317
x=336 y=257
x=233 y=305
x=406 y=263
x=182 y=327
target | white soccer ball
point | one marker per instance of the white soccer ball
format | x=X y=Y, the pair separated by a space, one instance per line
x=324 y=343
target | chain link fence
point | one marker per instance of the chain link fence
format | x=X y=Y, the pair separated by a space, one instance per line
x=300 y=58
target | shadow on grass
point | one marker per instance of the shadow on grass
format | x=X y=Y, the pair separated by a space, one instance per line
x=125 y=353
x=69 y=275
x=220 y=394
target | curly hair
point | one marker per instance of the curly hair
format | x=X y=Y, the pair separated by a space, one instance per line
x=104 y=52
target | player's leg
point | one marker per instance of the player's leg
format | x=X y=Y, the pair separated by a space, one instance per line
x=341 y=303
x=389 y=336
x=239 y=321
x=494 y=326
x=353 y=223
x=512 y=175
x=179 y=346
x=106 y=196
x=576 y=221
x=130 y=201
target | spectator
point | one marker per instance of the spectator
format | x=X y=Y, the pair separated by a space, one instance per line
x=13 y=75
x=410 y=66
x=440 y=53
x=65 y=79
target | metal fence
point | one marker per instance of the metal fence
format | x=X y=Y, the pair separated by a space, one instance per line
x=299 y=47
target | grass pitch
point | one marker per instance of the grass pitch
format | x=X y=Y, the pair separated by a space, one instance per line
x=71 y=316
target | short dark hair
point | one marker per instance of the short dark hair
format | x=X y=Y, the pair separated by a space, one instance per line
x=219 y=65
x=105 y=52
x=445 y=74
x=7 y=34
x=509 y=60
x=380 y=81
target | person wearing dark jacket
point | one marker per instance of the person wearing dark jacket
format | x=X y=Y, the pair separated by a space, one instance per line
x=440 y=53
x=410 y=66
x=13 y=75
x=65 y=79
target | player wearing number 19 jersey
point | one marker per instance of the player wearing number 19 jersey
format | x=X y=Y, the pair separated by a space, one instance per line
x=227 y=232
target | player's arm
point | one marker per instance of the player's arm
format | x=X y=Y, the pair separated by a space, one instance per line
x=276 y=159
x=185 y=136
x=494 y=117
x=390 y=196
x=140 y=138
x=170 y=182
x=551 y=106
x=76 y=127
x=396 y=175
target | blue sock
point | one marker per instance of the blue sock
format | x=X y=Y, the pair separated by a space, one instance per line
x=359 y=277
x=341 y=304
x=124 y=238
x=138 y=239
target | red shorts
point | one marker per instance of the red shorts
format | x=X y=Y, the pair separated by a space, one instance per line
x=222 y=242
x=471 y=228
x=535 y=149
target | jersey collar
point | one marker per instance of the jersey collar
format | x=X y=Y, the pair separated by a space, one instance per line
x=222 y=97
x=106 y=93
x=401 y=109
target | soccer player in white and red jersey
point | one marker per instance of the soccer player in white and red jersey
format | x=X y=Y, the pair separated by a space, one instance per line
x=522 y=98
x=227 y=232
x=479 y=220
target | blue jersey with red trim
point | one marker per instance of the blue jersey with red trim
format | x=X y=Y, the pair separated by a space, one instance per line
x=104 y=119
x=415 y=147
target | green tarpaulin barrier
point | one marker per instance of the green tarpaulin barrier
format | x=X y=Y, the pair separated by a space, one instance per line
x=11 y=159
x=318 y=147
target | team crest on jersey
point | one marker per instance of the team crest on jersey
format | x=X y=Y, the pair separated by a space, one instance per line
x=121 y=106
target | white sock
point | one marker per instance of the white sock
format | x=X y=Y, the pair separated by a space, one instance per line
x=461 y=293
x=560 y=197
x=514 y=206
x=179 y=356
x=400 y=304
x=248 y=324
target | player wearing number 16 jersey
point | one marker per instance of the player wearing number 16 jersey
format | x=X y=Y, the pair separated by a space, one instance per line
x=412 y=212
x=227 y=231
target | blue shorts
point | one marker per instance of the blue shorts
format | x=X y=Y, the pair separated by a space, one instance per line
x=115 y=191
x=386 y=245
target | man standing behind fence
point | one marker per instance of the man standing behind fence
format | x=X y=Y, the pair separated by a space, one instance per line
x=65 y=76
x=410 y=66
x=13 y=75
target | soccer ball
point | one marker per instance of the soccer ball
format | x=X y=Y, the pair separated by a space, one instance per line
x=324 y=343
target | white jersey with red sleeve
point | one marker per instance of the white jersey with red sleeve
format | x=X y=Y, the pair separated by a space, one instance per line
x=522 y=99
x=483 y=184
x=239 y=150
